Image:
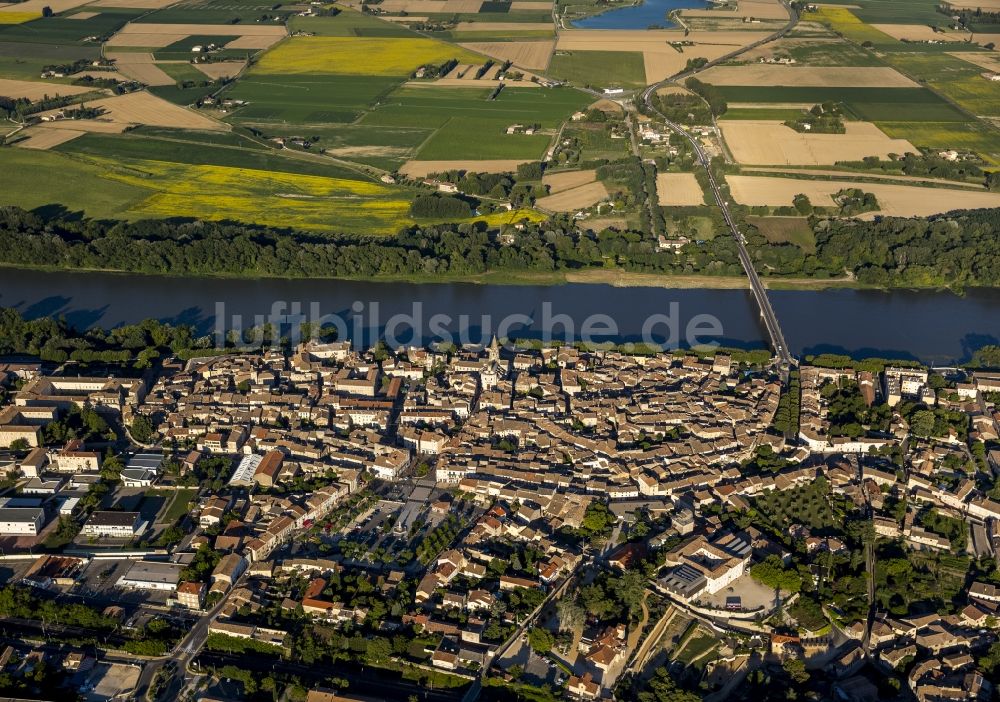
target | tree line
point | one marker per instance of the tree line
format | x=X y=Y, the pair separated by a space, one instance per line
x=955 y=249
x=185 y=247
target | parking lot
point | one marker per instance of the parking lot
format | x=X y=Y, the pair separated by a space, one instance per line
x=753 y=595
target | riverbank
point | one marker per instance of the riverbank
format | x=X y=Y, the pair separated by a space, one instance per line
x=615 y=277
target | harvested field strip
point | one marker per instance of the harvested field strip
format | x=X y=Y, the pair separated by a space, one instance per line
x=140 y=66
x=679 y=190
x=896 y=200
x=772 y=143
x=574 y=198
x=144 y=108
x=421 y=169
x=526 y=54
x=559 y=182
x=984 y=59
x=45 y=139
x=35 y=90
x=383 y=56
x=220 y=69
x=808 y=76
x=920 y=32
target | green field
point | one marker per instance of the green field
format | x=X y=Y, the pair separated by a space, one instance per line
x=183 y=96
x=183 y=71
x=181 y=50
x=840 y=53
x=786 y=230
x=45 y=179
x=954 y=78
x=306 y=99
x=481 y=138
x=775 y=113
x=595 y=142
x=974 y=136
x=179 y=506
x=63 y=31
x=347 y=24
x=911 y=104
x=178 y=148
x=219 y=12
x=435 y=106
x=603 y=69
x=894 y=11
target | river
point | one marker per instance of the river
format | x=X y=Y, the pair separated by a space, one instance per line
x=648 y=13
x=932 y=326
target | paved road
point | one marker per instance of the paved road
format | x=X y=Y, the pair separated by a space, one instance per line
x=186 y=650
x=759 y=292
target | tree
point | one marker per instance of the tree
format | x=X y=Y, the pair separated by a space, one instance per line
x=772 y=572
x=540 y=639
x=570 y=613
x=796 y=669
x=379 y=650
x=141 y=429
x=922 y=423
x=663 y=688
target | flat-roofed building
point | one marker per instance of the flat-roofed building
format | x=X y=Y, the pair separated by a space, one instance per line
x=151 y=575
x=21 y=520
x=117 y=525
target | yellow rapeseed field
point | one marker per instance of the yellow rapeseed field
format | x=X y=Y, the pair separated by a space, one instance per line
x=17 y=17
x=844 y=22
x=273 y=198
x=510 y=217
x=359 y=56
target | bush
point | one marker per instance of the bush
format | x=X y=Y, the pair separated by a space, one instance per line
x=438 y=206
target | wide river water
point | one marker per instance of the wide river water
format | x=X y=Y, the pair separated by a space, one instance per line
x=648 y=13
x=935 y=327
